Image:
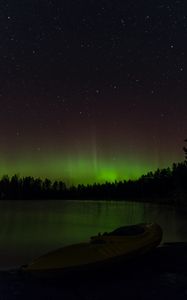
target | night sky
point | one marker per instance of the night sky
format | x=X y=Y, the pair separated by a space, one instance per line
x=92 y=90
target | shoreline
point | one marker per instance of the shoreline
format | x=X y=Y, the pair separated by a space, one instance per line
x=160 y=274
x=155 y=201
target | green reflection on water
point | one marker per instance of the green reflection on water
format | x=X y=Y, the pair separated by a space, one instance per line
x=32 y=228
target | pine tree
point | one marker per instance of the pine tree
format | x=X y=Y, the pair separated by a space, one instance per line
x=185 y=151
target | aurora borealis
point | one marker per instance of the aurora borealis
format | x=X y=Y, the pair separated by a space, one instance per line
x=92 y=91
x=78 y=170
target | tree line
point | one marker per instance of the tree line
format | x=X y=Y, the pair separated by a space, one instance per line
x=168 y=185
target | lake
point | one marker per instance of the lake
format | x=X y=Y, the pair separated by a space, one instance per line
x=32 y=228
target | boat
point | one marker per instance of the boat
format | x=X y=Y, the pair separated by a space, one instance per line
x=121 y=244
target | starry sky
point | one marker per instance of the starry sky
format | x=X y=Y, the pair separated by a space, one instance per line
x=92 y=90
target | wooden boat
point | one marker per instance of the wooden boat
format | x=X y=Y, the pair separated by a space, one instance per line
x=119 y=245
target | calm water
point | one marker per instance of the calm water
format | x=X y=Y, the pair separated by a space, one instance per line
x=29 y=229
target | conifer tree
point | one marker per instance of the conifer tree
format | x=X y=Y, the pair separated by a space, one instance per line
x=185 y=151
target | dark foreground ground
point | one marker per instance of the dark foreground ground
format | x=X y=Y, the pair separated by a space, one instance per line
x=160 y=275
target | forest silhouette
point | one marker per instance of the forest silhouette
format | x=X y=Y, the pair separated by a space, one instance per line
x=168 y=185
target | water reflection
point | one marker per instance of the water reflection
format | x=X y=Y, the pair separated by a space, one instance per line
x=29 y=229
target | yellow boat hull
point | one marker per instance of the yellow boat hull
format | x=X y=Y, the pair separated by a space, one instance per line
x=101 y=250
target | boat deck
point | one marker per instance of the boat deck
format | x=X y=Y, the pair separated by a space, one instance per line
x=160 y=275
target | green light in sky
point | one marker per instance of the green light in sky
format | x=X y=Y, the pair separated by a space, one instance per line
x=75 y=170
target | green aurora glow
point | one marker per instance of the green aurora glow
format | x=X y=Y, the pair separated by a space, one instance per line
x=77 y=170
x=88 y=98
